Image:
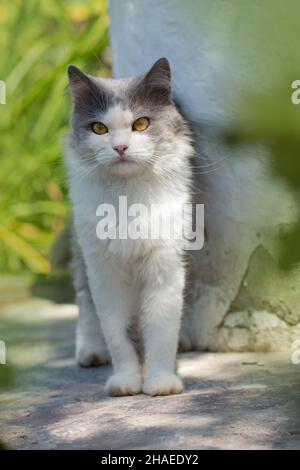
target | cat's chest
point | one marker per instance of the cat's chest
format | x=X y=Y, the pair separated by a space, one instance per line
x=90 y=203
x=118 y=220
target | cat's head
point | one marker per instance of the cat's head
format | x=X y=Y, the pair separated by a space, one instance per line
x=123 y=127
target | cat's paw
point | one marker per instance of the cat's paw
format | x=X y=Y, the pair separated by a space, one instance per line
x=88 y=357
x=119 y=385
x=162 y=384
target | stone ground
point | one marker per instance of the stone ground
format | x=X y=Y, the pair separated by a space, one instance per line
x=231 y=401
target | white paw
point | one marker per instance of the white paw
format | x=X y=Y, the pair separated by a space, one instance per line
x=124 y=384
x=162 y=384
x=92 y=357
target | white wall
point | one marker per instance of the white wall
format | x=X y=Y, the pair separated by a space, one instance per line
x=242 y=203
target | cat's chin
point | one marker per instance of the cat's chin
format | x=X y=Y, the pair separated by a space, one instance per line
x=124 y=168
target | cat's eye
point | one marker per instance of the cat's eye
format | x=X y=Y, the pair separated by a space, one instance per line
x=99 y=128
x=141 y=124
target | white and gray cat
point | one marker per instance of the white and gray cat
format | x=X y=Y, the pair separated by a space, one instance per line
x=128 y=138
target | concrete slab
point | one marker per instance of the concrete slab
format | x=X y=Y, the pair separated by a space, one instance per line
x=231 y=401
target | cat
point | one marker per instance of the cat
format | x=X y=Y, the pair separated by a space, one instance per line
x=128 y=138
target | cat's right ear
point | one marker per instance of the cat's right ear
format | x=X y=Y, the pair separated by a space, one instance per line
x=79 y=82
x=89 y=96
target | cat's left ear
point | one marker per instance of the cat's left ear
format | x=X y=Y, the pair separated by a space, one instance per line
x=157 y=80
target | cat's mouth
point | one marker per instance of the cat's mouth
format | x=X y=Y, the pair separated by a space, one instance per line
x=121 y=160
x=123 y=166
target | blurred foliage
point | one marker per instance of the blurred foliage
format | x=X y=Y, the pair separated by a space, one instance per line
x=257 y=47
x=38 y=38
x=6 y=376
x=275 y=122
x=265 y=39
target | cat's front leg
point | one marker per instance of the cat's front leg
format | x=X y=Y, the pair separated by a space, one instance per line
x=91 y=349
x=115 y=302
x=162 y=302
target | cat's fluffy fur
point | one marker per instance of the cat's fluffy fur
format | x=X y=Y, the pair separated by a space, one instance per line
x=125 y=285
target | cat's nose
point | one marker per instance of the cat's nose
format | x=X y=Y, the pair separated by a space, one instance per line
x=120 y=149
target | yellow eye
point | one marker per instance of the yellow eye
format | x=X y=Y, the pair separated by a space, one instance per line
x=99 y=128
x=141 y=124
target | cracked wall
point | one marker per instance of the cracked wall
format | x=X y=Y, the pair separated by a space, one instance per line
x=265 y=315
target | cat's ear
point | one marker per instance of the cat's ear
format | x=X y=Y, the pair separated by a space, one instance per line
x=79 y=82
x=157 y=80
x=160 y=72
x=87 y=93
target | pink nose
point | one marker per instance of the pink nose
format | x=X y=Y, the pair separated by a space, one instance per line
x=120 y=149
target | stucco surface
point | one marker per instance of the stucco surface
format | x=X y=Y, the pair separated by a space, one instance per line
x=244 y=207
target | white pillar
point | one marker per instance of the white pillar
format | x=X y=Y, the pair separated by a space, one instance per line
x=243 y=205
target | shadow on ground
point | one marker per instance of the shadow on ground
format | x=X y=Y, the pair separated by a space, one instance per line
x=232 y=401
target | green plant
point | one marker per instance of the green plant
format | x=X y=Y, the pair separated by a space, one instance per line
x=37 y=41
